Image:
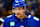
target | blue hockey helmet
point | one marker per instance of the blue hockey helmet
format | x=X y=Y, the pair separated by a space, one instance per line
x=19 y=3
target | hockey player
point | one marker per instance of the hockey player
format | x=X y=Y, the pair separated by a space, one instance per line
x=20 y=19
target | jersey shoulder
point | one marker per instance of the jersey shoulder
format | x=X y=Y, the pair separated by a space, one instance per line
x=33 y=17
x=10 y=16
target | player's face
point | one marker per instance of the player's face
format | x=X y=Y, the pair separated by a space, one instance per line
x=19 y=11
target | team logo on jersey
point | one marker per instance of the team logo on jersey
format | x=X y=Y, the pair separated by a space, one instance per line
x=12 y=23
x=21 y=26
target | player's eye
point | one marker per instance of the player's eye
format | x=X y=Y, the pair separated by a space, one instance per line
x=15 y=10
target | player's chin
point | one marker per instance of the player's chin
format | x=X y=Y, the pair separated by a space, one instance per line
x=18 y=16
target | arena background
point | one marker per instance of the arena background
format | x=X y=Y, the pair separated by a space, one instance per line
x=33 y=8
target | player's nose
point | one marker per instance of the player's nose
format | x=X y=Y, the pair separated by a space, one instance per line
x=17 y=11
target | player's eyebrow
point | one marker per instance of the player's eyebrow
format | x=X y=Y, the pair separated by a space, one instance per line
x=22 y=7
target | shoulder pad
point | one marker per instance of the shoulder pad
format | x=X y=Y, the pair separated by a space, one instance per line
x=9 y=16
x=29 y=16
x=35 y=18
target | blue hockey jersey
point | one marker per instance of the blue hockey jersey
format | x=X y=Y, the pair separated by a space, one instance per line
x=13 y=21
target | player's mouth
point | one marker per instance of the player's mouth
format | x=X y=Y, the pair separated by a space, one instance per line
x=18 y=14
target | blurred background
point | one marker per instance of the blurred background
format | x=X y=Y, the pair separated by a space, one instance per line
x=33 y=8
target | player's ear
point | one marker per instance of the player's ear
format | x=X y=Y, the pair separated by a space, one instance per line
x=25 y=8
